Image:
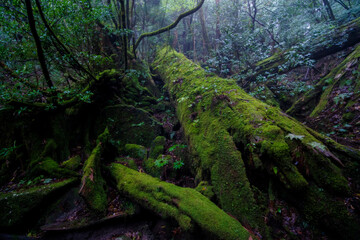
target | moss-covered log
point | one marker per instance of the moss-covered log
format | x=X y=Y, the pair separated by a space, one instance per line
x=187 y=206
x=240 y=145
x=92 y=182
x=17 y=207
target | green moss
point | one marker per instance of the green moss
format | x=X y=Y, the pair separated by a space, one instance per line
x=232 y=127
x=73 y=163
x=17 y=207
x=92 y=183
x=205 y=189
x=185 y=205
x=157 y=147
x=50 y=148
x=151 y=169
x=49 y=168
x=129 y=162
x=136 y=151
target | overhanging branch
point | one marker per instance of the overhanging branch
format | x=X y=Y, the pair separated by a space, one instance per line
x=169 y=27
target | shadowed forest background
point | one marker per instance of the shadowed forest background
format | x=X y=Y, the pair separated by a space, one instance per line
x=186 y=119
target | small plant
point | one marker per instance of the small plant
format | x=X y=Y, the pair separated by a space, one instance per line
x=173 y=147
x=161 y=162
x=5 y=152
x=178 y=164
x=86 y=96
x=293 y=136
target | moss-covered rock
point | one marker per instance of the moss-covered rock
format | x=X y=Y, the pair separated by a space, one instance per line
x=73 y=163
x=234 y=137
x=136 y=151
x=18 y=207
x=185 y=205
x=157 y=147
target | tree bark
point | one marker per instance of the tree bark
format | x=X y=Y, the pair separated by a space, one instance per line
x=240 y=145
x=40 y=51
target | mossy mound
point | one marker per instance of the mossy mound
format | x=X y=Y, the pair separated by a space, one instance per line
x=188 y=207
x=157 y=147
x=17 y=207
x=235 y=137
x=73 y=163
x=136 y=151
x=49 y=168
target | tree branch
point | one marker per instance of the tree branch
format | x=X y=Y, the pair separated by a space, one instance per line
x=169 y=27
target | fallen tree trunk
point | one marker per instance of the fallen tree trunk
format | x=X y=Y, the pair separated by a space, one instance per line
x=187 y=206
x=247 y=149
x=343 y=37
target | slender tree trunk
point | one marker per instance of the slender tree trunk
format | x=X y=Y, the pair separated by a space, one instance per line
x=124 y=28
x=40 y=51
x=217 y=31
x=329 y=10
x=204 y=31
x=57 y=41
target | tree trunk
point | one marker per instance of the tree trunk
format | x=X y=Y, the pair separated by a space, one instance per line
x=329 y=10
x=204 y=31
x=246 y=148
x=39 y=48
x=217 y=30
x=124 y=36
x=187 y=206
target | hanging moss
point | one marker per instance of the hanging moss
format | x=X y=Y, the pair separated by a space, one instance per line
x=188 y=207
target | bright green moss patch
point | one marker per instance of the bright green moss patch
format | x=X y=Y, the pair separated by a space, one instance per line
x=73 y=163
x=205 y=189
x=185 y=205
x=16 y=206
